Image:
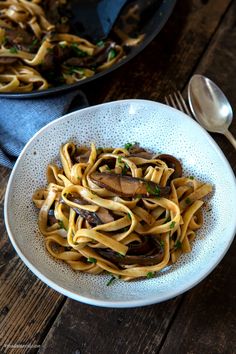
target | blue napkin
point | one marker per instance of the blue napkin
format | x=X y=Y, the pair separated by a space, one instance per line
x=21 y=119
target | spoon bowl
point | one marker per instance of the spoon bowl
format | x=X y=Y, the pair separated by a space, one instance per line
x=210 y=106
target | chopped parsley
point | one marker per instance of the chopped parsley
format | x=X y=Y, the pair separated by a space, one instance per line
x=162 y=243
x=110 y=281
x=129 y=216
x=61 y=224
x=150 y=275
x=172 y=225
x=75 y=70
x=100 y=44
x=191 y=177
x=33 y=44
x=188 y=201
x=13 y=50
x=63 y=45
x=78 y=51
x=92 y=260
x=154 y=190
x=112 y=54
x=178 y=244
x=125 y=169
x=120 y=159
x=128 y=146
x=79 y=178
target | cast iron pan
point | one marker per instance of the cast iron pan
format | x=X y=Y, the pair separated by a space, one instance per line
x=152 y=25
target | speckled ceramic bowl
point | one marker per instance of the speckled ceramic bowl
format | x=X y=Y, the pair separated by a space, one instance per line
x=156 y=127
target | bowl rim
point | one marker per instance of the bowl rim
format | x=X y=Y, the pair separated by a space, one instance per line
x=90 y=300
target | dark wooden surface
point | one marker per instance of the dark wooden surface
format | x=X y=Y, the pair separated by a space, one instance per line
x=200 y=36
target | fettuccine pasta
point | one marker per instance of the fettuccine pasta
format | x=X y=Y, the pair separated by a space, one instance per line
x=124 y=211
x=36 y=53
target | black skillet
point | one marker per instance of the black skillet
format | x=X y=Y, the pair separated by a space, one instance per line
x=151 y=25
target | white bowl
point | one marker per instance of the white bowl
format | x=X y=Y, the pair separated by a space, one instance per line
x=156 y=127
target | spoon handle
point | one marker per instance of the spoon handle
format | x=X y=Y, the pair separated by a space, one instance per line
x=231 y=138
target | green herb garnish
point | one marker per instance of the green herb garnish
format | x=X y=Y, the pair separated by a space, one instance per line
x=78 y=51
x=150 y=275
x=188 y=201
x=129 y=216
x=92 y=260
x=162 y=243
x=63 y=45
x=154 y=190
x=100 y=43
x=111 y=280
x=178 y=244
x=172 y=225
x=191 y=177
x=112 y=54
x=61 y=224
x=128 y=146
x=125 y=169
x=13 y=50
x=120 y=159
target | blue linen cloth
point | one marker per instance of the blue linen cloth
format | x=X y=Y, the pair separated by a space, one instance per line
x=21 y=119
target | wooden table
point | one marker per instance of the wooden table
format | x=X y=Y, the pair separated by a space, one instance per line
x=200 y=37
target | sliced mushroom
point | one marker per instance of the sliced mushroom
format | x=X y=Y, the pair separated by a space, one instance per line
x=8 y=60
x=172 y=162
x=142 y=154
x=128 y=186
x=101 y=216
x=153 y=253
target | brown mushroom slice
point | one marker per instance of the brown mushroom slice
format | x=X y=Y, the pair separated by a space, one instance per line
x=142 y=154
x=172 y=162
x=8 y=60
x=101 y=216
x=154 y=255
x=128 y=186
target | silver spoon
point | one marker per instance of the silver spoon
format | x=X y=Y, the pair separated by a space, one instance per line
x=210 y=107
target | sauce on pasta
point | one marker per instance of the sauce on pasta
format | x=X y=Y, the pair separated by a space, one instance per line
x=125 y=211
x=37 y=49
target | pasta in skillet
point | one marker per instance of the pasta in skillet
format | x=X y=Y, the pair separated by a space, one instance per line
x=125 y=210
x=37 y=52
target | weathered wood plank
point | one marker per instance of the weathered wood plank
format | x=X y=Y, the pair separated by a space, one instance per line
x=168 y=60
x=27 y=306
x=206 y=319
x=84 y=329
x=218 y=63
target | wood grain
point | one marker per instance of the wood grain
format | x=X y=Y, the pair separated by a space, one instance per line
x=206 y=318
x=93 y=330
x=143 y=330
x=170 y=58
x=28 y=308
